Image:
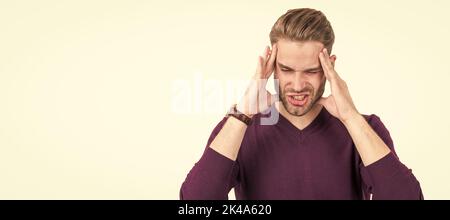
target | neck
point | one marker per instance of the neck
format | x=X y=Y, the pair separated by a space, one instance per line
x=300 y=121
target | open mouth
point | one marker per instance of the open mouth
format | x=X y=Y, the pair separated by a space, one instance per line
x=298 y=100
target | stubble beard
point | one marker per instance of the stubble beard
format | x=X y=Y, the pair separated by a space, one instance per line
x=300 y=111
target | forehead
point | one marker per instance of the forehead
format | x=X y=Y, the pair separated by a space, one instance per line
x=299 y=55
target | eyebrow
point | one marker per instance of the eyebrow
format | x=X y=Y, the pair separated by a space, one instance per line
x=312 y=69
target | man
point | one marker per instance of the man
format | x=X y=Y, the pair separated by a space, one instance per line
x=320 y=147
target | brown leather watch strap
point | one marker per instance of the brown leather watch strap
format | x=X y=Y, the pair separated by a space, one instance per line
x=239 y=115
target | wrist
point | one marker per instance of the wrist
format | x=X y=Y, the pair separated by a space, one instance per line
x=355 y=118
x=241 y=109
x=235 y=113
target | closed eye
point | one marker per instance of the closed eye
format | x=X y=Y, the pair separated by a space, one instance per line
x=286 y=70
x=314 y=72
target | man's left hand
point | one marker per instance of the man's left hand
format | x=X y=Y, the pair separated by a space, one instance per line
x=339 y=103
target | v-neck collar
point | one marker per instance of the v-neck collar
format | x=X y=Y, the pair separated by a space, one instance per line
x=315 y=124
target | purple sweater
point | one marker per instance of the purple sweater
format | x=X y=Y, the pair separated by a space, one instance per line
x=282 y=162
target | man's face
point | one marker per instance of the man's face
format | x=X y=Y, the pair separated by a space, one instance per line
x=300 y=75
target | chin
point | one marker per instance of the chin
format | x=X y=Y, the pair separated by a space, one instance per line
x=298 y=111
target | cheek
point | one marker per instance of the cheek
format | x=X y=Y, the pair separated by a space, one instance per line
x=282 y=85
x=318 y=81
x=281 y=77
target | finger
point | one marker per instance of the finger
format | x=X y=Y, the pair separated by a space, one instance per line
x=273 y=54
x=331 y=72
x=266 y=54
x=270 y=63
x=259 y=67
x=327 y=67
x=324 y=66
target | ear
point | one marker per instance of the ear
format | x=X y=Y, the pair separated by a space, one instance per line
x=333 y=59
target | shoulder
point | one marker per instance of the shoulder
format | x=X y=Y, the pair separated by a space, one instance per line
x=380 y=128
x=375 y=122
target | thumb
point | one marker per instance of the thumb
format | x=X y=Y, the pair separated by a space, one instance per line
x=273 y=98
x=323 y=101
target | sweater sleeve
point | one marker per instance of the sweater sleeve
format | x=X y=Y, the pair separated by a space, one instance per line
x=388 y=178
x=213 y=176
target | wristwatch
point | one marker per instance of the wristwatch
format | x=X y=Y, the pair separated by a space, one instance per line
x=239 y=115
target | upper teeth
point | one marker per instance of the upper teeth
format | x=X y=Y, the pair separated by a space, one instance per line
x=299 y=97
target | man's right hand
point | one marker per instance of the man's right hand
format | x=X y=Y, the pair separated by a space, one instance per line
x=229 y=139
x=256 y=98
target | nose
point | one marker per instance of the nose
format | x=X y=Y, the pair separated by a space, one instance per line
x=299 y=81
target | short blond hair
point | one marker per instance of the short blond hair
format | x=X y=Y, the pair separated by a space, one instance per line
x=303 y=24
